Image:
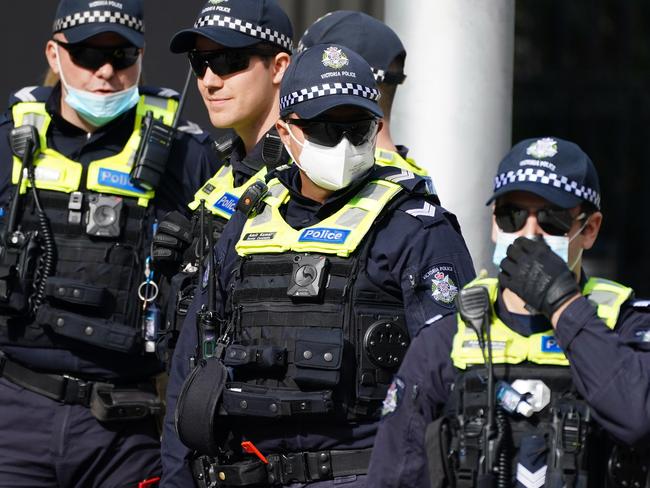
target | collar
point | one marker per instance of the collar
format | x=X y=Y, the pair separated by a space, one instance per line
x=525 y=325
x=403 y=151
x=301 y=211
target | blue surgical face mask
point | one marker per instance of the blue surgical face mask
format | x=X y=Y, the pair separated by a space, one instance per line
x=97 y=109
x=558 y=244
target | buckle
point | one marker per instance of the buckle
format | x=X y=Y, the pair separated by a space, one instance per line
x=287 y=468
x=76 y=390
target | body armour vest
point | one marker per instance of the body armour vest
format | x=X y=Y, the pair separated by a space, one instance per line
x=312 y=333
x=99 y=221
x=544 y=434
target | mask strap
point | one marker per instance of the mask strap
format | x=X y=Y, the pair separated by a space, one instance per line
x=286 y=126
x=581 y=228
x=579 y=256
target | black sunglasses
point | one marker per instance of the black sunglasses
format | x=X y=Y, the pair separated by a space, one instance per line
x=329 y=133
x=553 y=221
x=223 y=62
x=93 y=57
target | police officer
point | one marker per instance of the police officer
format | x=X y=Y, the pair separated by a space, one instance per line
x=380 y=46
x=238 y=52
x=76 y=366
x=319 y=285
x=543 y=416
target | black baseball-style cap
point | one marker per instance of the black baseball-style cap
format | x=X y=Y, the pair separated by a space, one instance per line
x=377 y=43
x=236 y=24
x=82 y=19
x=557 y=170
x=327 y=76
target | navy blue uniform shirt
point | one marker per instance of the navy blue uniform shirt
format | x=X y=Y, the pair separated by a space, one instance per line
x=417 y=246
x=191 y=162
x=607 y=368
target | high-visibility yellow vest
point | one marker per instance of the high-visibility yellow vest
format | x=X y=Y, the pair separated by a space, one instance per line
x=53 y=171
x=339 y=234
x=541 y=348
x=220 y=194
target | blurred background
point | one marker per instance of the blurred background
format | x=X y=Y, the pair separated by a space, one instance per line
x=581 y=72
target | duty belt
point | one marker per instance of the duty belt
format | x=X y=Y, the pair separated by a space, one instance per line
x=283 y=469
x=62 y=388
x=107 y=402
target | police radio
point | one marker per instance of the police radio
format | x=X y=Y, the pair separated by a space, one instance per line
x=24 y=255
x=473 y=305
x=155 y=145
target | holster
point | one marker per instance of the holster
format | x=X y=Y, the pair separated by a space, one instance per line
x=110 y=403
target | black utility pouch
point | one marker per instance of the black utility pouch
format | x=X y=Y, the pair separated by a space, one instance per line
x=198 y=404
x=109 y=403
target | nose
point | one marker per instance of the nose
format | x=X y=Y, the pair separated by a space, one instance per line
x=212 y=80
x=531 y=227
x=106 y=71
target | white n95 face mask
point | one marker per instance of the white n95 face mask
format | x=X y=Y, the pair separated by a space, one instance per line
x=335 y=167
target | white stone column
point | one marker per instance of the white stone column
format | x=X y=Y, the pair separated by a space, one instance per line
x=455 y=109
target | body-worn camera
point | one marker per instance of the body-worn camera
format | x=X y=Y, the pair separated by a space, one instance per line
x=309 y=276
x=103 y=218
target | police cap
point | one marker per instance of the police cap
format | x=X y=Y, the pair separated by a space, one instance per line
x=557 y=170
x=377 y=43
x=239 y=23
x=82 y=19
x=327 y=76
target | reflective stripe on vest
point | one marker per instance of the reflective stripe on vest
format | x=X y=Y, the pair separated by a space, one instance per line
x=541 y=348
x=384 y=157
x=54 y=171
x=220 y=194
x=338 y=234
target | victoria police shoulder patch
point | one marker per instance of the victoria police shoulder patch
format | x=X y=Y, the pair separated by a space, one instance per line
x=442 y=283
x=393 y=396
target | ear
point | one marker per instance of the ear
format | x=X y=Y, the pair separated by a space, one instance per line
x=590 y=232
x=50 y=55
x=283 y=132
x=279 y=66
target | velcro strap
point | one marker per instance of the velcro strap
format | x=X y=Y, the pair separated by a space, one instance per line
x=98 y=332
x=76 y=292
x=260 y=401
x=262 y=356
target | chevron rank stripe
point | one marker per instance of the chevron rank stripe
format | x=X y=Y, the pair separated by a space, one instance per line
x=404 y=174
x=427 y=209
x=547 y=178
x=328 y=89
x=531 y=480
x=98 y=16
x=248 y=28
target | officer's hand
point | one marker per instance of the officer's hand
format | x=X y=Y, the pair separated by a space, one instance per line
x=173 y=237
x=537 y=275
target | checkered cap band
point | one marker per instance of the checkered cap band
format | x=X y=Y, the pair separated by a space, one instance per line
x=379 y=74
x=542 y=177
x=328 y=89
x=98 y=16
x=248 y=28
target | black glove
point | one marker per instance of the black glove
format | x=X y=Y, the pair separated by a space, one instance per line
x=173 y=237
x=537 y=275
